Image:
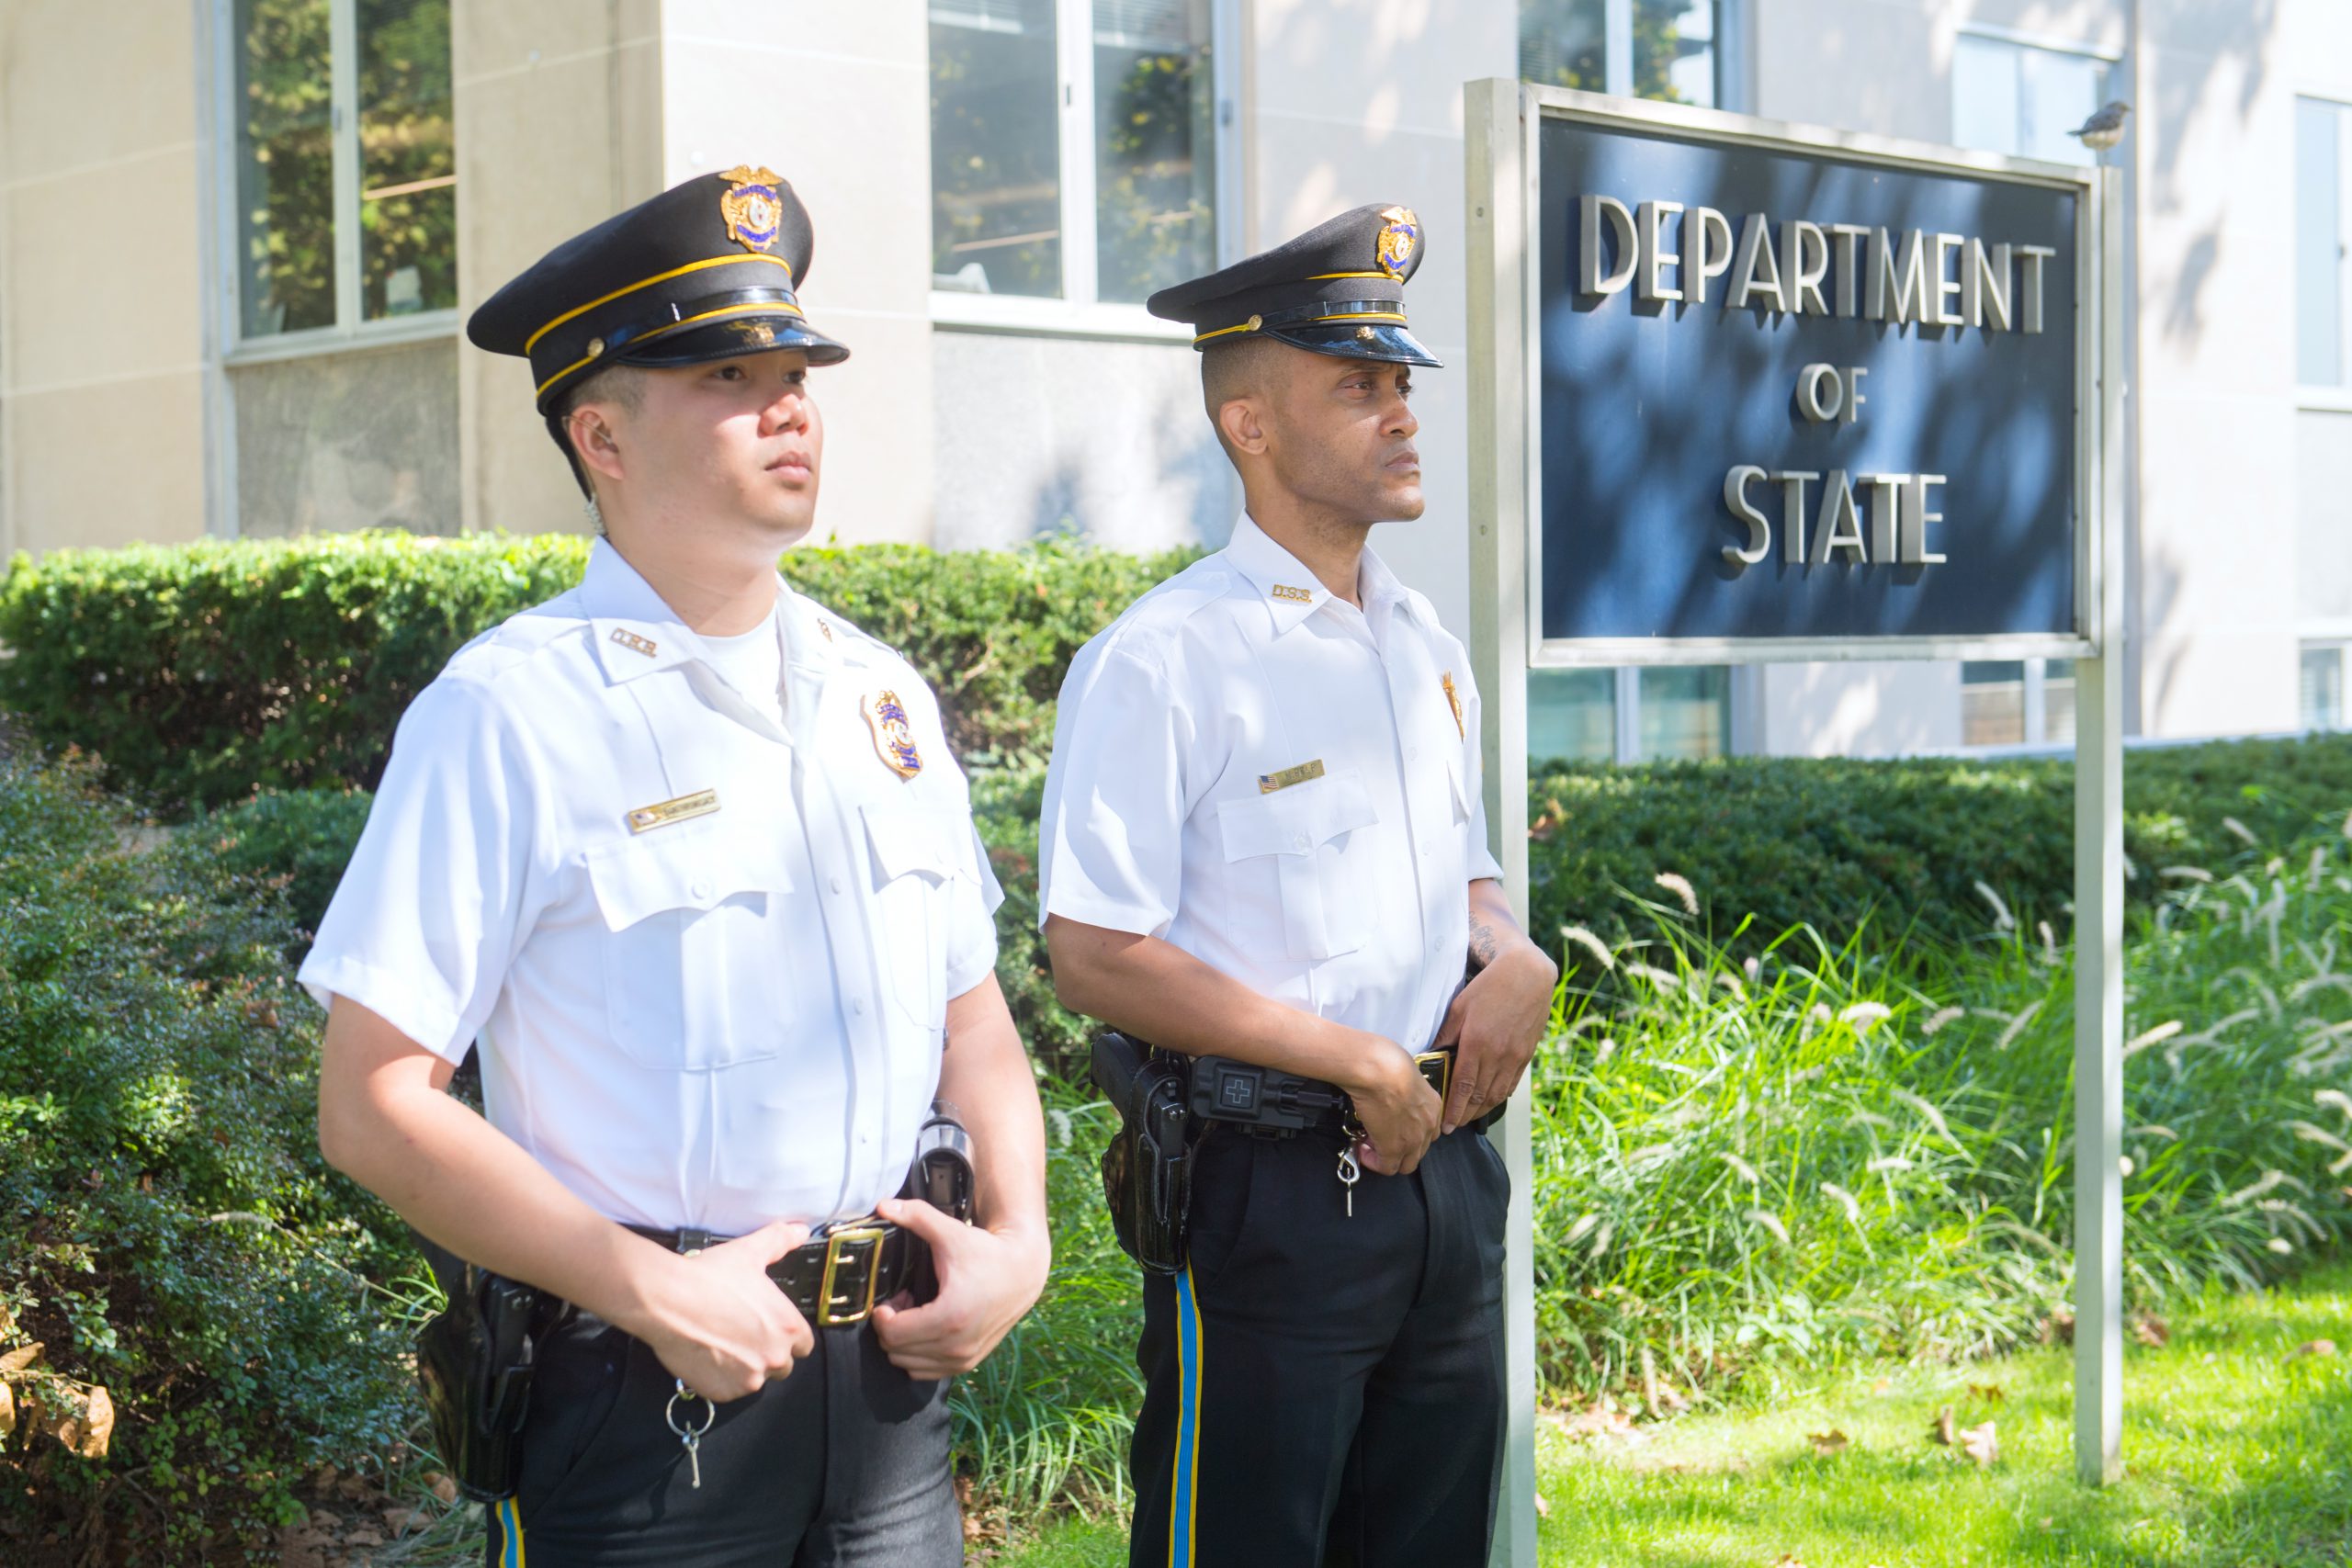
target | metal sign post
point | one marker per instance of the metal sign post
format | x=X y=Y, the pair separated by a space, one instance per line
x=1742 y=391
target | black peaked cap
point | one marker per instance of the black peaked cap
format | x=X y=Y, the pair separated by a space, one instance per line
x=708 y=269
x=1339 y=289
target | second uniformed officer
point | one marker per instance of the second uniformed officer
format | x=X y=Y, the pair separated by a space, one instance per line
x=687 y=855
x=1263 y=838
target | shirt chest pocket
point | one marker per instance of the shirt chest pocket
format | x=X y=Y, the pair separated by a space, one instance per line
x=1310 y=834
x=697 y=968
x=912 y=856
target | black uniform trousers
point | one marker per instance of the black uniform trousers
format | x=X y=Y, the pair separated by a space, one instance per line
x=1326 y=1390
x=843 y=1464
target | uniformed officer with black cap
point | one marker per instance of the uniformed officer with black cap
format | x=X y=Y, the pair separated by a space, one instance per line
x=686 y=854
x=1263 y=840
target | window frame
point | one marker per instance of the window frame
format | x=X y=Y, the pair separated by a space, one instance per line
x=2320 y=396
x=2335 y=638
x=349 y=331
x=2033 y=711
x=1078 y=311
x=1730 y=44
x=1625 y=711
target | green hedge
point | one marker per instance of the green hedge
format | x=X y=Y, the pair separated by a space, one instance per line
x=1901 y=844
x=168 y=1231
x=201 y=672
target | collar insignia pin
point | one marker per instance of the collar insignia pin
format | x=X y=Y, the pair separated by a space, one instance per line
x=630 y=640
x=894 y=735
x=1284 y=591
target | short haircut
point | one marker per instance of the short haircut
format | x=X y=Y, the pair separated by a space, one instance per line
x=621 y=384
x=1233 y=370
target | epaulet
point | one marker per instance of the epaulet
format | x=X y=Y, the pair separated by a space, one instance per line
x=1148 y=629
x=516 y=640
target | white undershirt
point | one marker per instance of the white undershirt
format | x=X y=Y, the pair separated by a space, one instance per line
x=753 y=664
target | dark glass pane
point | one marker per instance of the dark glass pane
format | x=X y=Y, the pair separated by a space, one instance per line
x=1674 y=50
x=1685 y=713
x=1571 y=716
x=408 y=159
x=1563 y=43
x=1155 y=135
x=995 y=147
x=285 y=167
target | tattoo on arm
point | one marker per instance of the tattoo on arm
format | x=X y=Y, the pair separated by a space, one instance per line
x=1483 y=945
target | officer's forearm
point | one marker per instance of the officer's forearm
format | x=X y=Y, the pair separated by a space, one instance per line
x=384 y=1122
x=1158 y=992
x=1494 y=930
x=986 y=1073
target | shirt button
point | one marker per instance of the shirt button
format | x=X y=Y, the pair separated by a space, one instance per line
x=701 y=890
x=837 y=884
x=857 y=1010
x=1425 y=852
x=1299 y=840
x=1412 y=754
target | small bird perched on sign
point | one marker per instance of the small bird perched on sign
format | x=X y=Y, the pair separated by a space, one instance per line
x=2104 y=128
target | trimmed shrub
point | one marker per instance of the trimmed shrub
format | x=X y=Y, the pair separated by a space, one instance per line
x=168 y=1231
x=202 y=672
x=1900 y=845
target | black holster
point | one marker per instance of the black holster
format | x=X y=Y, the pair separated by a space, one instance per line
x=1147 y=1169
x=474 y=1361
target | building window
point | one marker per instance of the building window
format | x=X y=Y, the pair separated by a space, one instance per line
x=2017 y=702
x=346 y=159
x=1645 y=49
x=2322 y=243
x=1664 y=713
x=2322 y=706
x=2022 y=99
x=1073 y=147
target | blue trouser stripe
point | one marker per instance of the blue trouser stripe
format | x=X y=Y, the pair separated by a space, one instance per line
x=1188 y=1421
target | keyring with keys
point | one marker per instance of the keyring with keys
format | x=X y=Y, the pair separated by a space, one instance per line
x=690 y=1436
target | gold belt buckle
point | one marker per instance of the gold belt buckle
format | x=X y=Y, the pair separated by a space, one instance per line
x=859 y=1248
x=1437 y=1067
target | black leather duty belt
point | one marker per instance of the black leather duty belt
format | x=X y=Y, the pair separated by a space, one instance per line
x=835 y=1277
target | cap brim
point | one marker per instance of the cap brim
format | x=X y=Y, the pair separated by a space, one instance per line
x=733 y=339
x=1369 y=339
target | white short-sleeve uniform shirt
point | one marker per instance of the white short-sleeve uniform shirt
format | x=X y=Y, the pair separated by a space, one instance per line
x=1280 y=784
x=706 y=954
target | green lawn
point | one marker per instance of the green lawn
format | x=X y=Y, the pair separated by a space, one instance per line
x=2239 y=1455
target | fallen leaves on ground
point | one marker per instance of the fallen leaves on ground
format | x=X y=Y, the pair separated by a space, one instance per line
x=1828 y=1442
x=2321 y=1348
x=2151 y=1330
x=1979 y=1444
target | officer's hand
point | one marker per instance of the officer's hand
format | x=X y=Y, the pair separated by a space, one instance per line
x=1398 y=1108
x=1494 y=1025
x=987 y=1279
x=720 y=1323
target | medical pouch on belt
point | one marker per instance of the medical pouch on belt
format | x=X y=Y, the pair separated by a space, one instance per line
x=690 y=981
x=914 y=850
x=1303 y=833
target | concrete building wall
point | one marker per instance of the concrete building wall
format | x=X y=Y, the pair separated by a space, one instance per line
x=560 y=124
x=102 y=350
x=1361 y=100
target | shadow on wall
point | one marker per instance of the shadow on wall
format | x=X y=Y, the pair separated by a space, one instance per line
x=1102 y=440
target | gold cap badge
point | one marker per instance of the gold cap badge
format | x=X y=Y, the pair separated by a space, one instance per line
x=754 y=212
x=1400 y=234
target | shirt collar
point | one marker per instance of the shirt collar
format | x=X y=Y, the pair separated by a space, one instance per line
x=1289 y=590
x=635 y=632
x=1292 y=592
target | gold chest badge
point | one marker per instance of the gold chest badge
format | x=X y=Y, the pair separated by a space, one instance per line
x=1454 y=700
x=894 y=735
